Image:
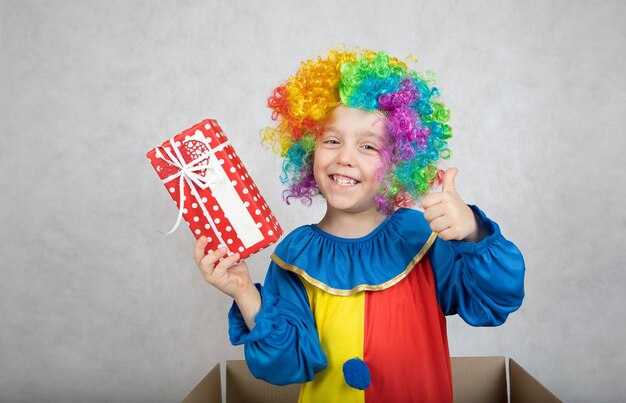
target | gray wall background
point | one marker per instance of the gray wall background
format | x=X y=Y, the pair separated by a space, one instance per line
x=96 y=305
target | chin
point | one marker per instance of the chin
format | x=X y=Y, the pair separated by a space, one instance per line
x=351 y=208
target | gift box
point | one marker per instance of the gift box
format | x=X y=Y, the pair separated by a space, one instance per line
x=213 y=190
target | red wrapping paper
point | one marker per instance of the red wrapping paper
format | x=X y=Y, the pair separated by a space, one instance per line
x=220 y=199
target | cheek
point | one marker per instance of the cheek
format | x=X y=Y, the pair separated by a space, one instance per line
x=375 y=168
x=318 y=169
x=320 y=161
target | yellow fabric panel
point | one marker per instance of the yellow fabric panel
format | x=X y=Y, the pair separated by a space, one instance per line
x=340 y=325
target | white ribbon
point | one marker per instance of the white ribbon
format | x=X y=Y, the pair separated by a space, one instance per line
x=216 y=179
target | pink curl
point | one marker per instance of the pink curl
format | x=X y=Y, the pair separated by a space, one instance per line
x=404 y=96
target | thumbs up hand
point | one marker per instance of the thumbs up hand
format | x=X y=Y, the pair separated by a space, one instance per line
x=448 y=214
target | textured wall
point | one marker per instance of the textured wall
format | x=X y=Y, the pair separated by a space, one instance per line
x=96 y=305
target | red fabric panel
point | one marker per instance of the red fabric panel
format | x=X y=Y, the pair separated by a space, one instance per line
x=406 y=345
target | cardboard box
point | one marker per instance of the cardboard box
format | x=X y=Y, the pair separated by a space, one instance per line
x=475 y=380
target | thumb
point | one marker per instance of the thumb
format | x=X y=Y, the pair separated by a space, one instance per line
x=448 y=180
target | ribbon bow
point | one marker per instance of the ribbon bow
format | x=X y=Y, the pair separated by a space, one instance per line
x=189 y=172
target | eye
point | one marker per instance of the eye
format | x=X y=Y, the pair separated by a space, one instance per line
x=331 y=141
x=370 y=147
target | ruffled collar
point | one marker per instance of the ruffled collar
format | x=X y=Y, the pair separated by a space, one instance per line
x=345 y=266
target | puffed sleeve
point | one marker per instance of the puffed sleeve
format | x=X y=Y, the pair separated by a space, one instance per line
x=284 y=346
x=484 y=281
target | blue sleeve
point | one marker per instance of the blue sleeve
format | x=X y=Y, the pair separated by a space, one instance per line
x=484 y=281
x=284 y=346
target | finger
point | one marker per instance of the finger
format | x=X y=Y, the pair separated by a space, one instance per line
x=432 y=199
x=447 y=234
x=208 y=261
x=440 y=224
x=435 y=211
x=448 y=180
x=222 y=267
x=198 y=250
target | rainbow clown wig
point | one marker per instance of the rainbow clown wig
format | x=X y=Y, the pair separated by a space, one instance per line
x=359 y=78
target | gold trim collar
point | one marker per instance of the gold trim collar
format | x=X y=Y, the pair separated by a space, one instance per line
x=360 y=287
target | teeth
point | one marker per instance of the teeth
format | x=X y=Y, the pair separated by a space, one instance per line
x=343 y=180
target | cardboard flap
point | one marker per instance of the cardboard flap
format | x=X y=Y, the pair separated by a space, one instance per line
x=479 y=379
x=474 y=379
x=243 y=387
x=525 y=388
x=209 y=390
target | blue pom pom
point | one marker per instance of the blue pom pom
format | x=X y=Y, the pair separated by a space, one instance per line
x=356 y=373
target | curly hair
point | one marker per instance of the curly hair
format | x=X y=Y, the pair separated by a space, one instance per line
x=372 y=81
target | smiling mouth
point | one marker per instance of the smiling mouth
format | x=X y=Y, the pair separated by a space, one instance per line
x=343 y=180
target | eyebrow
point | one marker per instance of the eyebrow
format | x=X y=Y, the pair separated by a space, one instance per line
x=364 y=133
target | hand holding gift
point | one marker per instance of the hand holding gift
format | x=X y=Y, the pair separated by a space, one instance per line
x=214 y=192
x=230 y=276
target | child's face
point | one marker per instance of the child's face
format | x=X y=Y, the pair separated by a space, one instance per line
x=347 y=159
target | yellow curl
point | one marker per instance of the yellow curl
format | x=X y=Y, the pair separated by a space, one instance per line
x=312 y=93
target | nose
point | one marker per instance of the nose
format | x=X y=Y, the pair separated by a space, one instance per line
x=345 y=157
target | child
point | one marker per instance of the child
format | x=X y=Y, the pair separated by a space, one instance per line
x=354 y=306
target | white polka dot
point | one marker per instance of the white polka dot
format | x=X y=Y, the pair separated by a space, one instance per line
x=221 y=161
x=232 y=169
x=215 y=208
x=245 y=191
x=230 y=156
x=210 y=239
x=254 y=198
x=259 y=225
x=185 y=211
x=217 y=221
x=263 y=207
x=196 y=219
x=217 y=135
x=208 y=140
x=194 y=205
x=243 y=178
x=229 y=241
x=204 y=200
x=240 y=249
x=257 y=212
x=207 y=126
x=210 y=251
x=270 y=232
x=228 y=228
x=177 y=143
x=247 y=204
x=197 y=232
x=207 y=226
x=172 y=189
